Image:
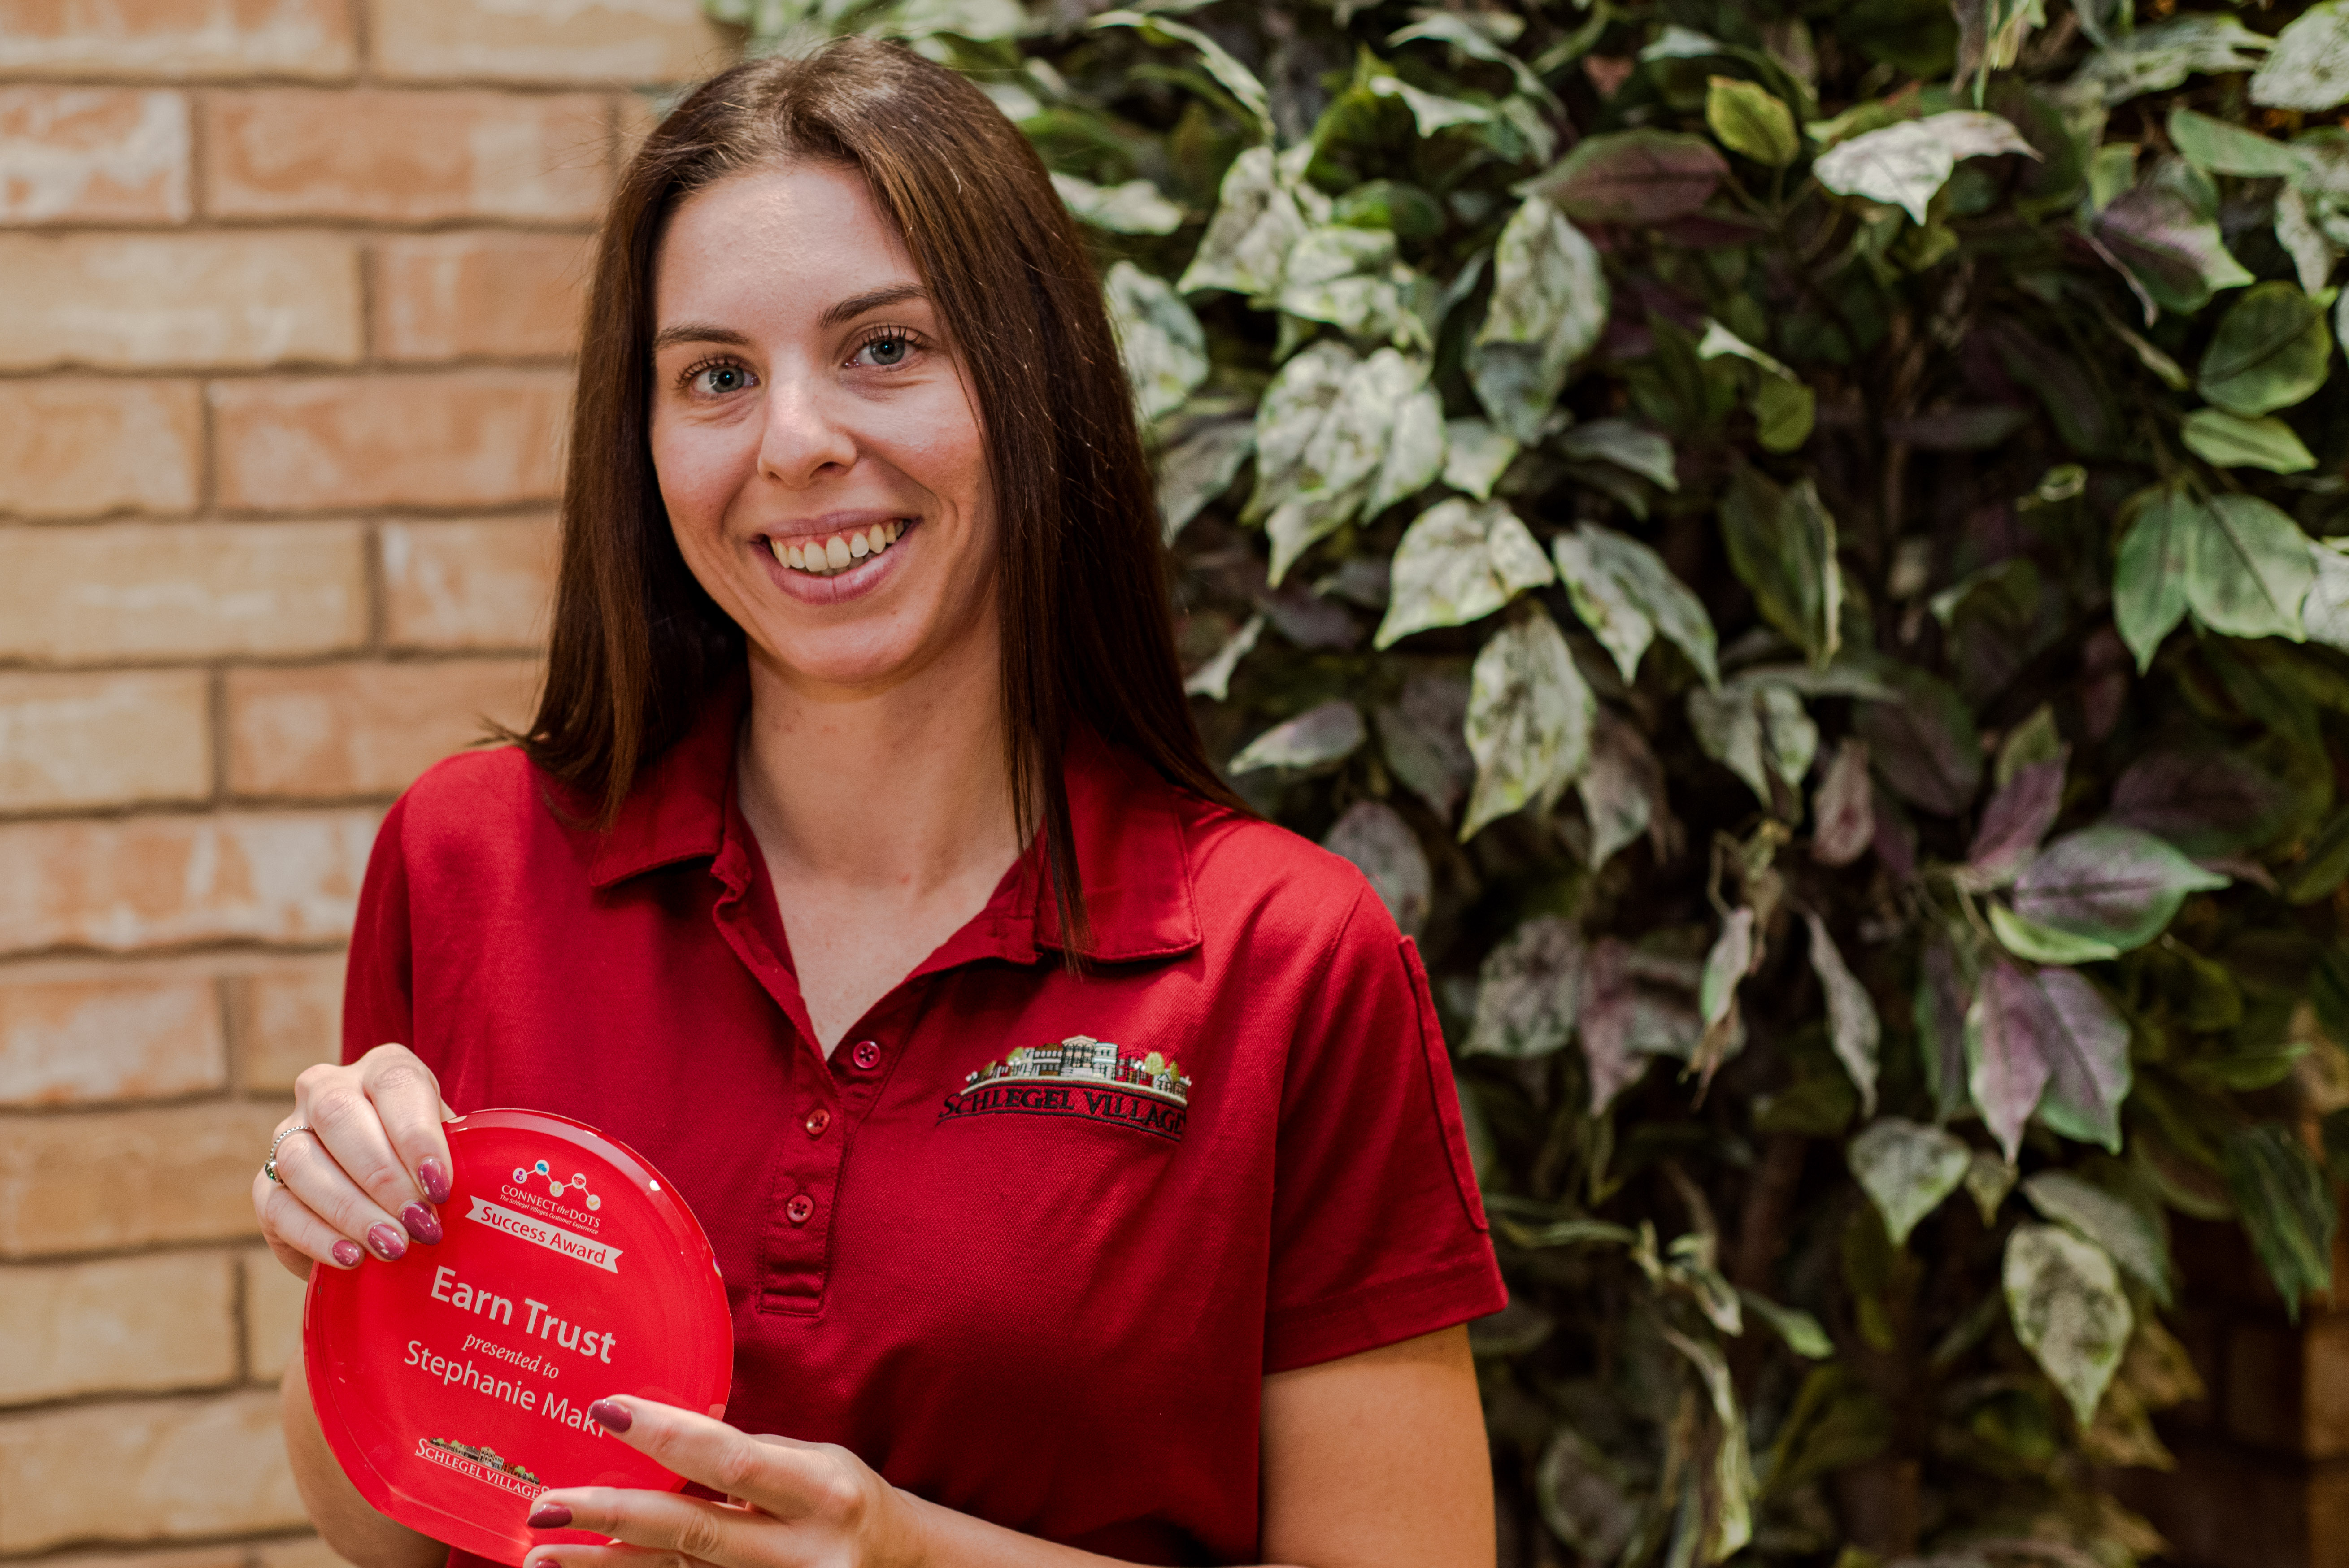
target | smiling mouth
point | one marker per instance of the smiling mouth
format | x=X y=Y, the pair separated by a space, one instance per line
x=831 y=556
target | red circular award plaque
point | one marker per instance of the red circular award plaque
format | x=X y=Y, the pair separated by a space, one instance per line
x=453 y=1385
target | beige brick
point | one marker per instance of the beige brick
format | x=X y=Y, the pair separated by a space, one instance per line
x=93 y=154
x=147 y=302
x=285 y=1017
x=227 y=1555
x=151 y=882
x=71 y=447
x=302 y=1552
x=470 y=438
x=126 y=1037
x=177 y=38
x=131 y=1178
x=364 y=730
x=134 y=590
x=120 y=1325
x=485 y=583
x=146 y=1470
x=273 y=1316
x=394 y=156
x=485 y=295
x=121 y=738
x=547 y=40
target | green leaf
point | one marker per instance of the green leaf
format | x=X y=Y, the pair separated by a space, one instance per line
x=1135 y=207
x=1907 y=1170
x=1584 y=1496
x=1749 y=119
x=1726 y=1505
x=2286 y=1205
x=1292 y=412
x=1165 y=349
x=1475 y=456
x=1782 y=545
x=2271 y=352
x=2149 y=579
x=2156 y=58
x=2325 y=866
x=2045 y=944
x=1458 y=563
x=1853 y=1031
x=1373 y=835
x=1621 y=790
x=1727 y=964
x=1923 y=742
x=1414 y=454
x=1987 y=1181
x=2171 y=248
x=2088 y=1072
x=1199 y=470
x=1783 y=405
x=2132 y=1236
x=2065 y=1299
x=1430 y=112
x=2324 y=613
x=1257 y=220
x=1641 y=177
x=2109 y=883
x=2246 y=569
x=2223 y=148
x=1842 y=807
x=1906 y=165
x=1944 y=996
x=1213 y=679
x=1758 y=730
x=1628 y=446
x=2206 y=800
x=1234 y=77
x=1319 y=736
x=1345 y=414
x=1345 y=276
x=2229 y=441
x=1529 y=720
x=1548 y=307
x=1626 y=595
x=1529 y=991
x=2309 y=67
x=2313 y=251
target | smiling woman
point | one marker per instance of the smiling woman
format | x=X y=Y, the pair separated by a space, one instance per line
x=1079 y=1151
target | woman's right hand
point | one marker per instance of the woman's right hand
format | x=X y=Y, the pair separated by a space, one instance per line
x=366 y=1174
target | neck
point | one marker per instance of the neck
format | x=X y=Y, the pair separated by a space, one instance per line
x=898 y=791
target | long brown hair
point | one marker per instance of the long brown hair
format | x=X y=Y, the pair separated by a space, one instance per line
x=638 y=645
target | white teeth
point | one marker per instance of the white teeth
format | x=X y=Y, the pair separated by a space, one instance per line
x=840 y=550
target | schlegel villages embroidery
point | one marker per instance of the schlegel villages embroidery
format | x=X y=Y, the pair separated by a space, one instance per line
x=1098 y=1080
x=482 y=1464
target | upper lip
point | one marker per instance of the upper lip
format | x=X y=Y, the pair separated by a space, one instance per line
x=831 y=522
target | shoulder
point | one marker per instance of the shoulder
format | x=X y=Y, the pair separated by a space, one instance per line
x=478 y=807
x=1260 y=885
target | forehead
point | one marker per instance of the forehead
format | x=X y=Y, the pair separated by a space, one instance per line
x=781 y=240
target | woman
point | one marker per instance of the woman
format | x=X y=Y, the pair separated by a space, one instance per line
x=863 y=762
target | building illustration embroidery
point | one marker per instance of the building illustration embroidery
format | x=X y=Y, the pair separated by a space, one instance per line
x=1082 y=1059
x=482 y=1464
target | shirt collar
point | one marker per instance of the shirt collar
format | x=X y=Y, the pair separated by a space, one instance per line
x=1127 y=821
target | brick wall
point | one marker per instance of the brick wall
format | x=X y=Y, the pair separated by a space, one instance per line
x=286 y=289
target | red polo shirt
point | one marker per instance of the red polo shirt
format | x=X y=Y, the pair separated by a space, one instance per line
x=1026 y=1243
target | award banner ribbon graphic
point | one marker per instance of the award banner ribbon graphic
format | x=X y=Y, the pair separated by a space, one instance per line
x=553 y=1238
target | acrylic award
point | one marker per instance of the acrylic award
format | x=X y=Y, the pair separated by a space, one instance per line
x=453 y=1383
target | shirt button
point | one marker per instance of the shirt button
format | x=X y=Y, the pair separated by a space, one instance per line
x=817 y=1121
x=798 y=1210
x=867 y=1055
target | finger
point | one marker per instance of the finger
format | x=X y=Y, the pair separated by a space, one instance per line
x=407 y=1099
x=316 y=1183
x=781 y=1475
x=658 y=1523
x=295 y=1235
x=606 y=1554
x=341 y=1111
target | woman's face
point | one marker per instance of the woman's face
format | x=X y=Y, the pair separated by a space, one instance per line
x=820 y=456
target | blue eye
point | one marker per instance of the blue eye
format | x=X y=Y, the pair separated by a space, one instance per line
x=720 y=379
x=886 y=351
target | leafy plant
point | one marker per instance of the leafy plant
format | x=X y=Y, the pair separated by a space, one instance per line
x=1800 y=546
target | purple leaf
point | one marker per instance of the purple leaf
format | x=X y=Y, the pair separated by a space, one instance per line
x=1642 y=176
x=1843 y=813
x=1924 y=743
x=2207 y=802
x=1942 y=1000
x=2014 y=821
x=2109 y=883
x=1624 y=1024
x=2007 y=1033
x=2088 y=1059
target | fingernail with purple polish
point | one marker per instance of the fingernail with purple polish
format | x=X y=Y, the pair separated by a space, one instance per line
x=549 y=1516
x=422 y=1223
x=388 y=1243
x=610 y=1415
x=347 y=1254
x=433 y=1176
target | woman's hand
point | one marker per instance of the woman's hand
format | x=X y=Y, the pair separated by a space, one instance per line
x=790 y=1504
x=360 y=1163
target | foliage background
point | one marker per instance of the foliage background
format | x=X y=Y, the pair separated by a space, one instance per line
x=1802 y=548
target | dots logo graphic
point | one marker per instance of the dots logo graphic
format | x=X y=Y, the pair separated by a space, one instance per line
x=554 y=1188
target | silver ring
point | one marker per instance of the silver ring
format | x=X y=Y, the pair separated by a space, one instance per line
x=269 y=1166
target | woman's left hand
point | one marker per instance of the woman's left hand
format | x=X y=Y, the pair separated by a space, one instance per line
x=790 y=1504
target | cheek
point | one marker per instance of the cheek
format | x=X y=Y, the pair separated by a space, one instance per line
x=698 y=467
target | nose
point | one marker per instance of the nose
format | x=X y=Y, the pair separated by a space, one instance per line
x=802 y=438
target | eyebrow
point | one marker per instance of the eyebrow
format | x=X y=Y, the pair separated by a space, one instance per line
x=845 y=310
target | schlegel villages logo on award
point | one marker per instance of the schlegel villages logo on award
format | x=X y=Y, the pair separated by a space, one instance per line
x=429 y=1371
x=540 y=1226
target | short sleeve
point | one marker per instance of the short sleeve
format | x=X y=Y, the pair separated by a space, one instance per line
x=1377 y=1231
x=378 y=989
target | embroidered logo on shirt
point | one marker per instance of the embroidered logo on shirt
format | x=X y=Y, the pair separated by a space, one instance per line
x=1099 y=1081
